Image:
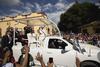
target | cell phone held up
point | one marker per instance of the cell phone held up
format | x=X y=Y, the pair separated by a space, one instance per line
x=50 y=59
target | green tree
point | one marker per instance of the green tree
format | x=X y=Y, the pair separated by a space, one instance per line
x=78 y=15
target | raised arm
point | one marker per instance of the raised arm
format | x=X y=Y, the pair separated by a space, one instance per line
x=24 y=64
x=40 y=59
x=77 y=62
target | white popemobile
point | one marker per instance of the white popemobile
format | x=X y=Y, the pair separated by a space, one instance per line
x=62 y=52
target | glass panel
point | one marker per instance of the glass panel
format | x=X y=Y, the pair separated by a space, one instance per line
x=56 y=44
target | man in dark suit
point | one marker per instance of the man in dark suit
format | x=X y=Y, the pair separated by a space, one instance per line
x=7 y=40
x=30 y=58
x=27 y=29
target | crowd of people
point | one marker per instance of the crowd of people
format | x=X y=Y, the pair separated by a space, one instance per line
x=7 y=42
x=8 y=59
x=93 y=39
x=26 y=59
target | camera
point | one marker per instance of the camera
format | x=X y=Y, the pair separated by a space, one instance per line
x=50 y=60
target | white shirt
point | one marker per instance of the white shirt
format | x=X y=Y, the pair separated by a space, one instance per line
x=8 y=65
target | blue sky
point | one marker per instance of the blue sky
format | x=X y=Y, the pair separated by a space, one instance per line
x=53 y=8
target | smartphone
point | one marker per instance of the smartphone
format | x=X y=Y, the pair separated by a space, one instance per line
x=50 y=60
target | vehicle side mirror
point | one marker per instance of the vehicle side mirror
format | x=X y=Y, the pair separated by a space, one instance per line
x=83 y=50
x=64 y=51
x=75 y=48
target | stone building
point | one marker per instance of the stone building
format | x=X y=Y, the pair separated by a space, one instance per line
x=93 y=27
x=35 y=20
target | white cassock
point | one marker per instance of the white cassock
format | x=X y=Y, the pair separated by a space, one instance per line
x=32 y=40
x=42 y=34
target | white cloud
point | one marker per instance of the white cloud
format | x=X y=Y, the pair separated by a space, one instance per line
x=13 y=14
x=60 y=5
x=53 y=10
x=98 y=4
x=47 y=6
x=10 y=2
x=29 y=5
x=16 y=11
x=55 y=16
x=56 y=9
x=27 y=9
x=1 y=17
x=38 y=7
